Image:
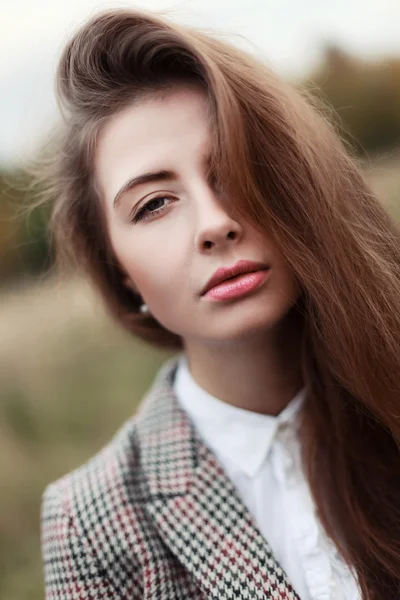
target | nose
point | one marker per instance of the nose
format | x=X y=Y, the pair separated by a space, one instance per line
x=216 y=228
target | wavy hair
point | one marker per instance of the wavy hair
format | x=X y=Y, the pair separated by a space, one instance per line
x=281 y=165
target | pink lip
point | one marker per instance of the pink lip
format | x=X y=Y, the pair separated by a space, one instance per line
x=241 y=285
x=236 y=281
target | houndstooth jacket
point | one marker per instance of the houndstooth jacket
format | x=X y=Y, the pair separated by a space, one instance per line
x=154 y=516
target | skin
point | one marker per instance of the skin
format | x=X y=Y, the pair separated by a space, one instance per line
x=244 y=351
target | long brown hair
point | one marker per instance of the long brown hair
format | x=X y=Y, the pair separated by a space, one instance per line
x=283 y=167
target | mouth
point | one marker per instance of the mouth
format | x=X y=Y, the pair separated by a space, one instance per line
x=236 y=287
x=234 y=274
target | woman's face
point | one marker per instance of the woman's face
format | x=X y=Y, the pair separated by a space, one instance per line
x=170 y=247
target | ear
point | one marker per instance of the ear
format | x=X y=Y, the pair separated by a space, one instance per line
x=130 y=284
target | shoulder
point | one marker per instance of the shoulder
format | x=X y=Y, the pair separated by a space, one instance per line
x=117 y=468
x=82 y=536
x=91 y=516
x=105 y=469
x=98 y=475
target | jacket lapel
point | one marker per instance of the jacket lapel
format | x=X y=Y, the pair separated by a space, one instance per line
x=196 y=508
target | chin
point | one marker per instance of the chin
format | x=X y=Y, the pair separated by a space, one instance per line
x=238 y=332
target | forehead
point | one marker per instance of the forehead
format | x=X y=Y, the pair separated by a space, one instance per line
x=181 y=114
x=151 y=134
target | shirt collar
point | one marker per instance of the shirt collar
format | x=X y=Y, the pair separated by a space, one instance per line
x=241 y=436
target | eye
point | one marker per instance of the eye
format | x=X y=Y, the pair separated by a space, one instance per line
x=150 y=208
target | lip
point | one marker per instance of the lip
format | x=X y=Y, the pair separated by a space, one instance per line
x=239 y=286
x=226 y=273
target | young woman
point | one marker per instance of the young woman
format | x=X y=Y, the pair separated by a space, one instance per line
x=218 y=214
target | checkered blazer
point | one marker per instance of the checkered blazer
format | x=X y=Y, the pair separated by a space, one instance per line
x=153 y=515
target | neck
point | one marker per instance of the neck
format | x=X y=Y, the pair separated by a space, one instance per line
x=261 y=374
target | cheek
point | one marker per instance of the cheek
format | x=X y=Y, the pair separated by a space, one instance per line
x=157 y=269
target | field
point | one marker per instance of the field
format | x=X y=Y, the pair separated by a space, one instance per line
x=68 y=380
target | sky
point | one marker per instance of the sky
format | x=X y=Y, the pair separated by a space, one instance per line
x=288 y=34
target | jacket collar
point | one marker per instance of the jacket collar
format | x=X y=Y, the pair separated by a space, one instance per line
x=195 y=507
x=168 y=440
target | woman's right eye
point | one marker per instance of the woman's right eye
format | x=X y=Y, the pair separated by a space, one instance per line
x=145 y=213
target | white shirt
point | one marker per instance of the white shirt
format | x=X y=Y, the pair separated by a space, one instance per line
x=261 y=455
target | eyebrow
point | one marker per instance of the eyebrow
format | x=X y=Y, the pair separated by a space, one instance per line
x=151 y=177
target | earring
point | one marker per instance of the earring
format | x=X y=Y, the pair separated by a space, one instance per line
x=144 y=308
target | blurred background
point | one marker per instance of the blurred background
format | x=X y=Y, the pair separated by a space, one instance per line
x=68 y=377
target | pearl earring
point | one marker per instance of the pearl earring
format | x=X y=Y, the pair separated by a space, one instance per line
x=144 y=308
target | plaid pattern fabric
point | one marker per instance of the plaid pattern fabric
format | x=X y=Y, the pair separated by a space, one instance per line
x=153 y=515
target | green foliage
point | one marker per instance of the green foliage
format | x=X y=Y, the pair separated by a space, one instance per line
x=25 y=247
x=365 y=97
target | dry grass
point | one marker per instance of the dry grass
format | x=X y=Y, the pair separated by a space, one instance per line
x=68 y=379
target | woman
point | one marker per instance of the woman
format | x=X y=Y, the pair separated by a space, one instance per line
x=219 y=215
